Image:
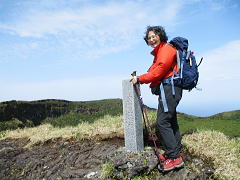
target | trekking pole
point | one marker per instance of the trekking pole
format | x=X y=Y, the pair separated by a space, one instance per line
x=145 y=117
x=138 y=92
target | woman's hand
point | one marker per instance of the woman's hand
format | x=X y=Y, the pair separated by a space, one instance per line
x=134 y=80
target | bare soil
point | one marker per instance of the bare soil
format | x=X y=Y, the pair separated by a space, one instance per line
x=54 y=159
x=60 y=159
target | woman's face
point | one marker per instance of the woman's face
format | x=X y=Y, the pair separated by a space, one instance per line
x=153 y=39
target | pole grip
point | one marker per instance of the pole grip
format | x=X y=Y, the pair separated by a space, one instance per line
x=137 y=86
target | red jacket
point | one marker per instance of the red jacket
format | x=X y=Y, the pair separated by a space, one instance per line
x=161 y=68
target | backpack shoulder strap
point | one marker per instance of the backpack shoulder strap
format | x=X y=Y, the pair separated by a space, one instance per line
x=178 y=60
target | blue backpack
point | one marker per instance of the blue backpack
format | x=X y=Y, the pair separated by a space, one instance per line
x=188 y=75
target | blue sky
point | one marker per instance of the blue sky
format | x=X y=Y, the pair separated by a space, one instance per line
x=82 y=49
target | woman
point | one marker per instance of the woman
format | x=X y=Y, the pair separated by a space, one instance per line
x=159 y=75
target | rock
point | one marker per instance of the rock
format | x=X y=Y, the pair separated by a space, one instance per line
x=136 y=170
x=208 y=171
x=119 y=175
x=120 y=161
x=90 y=175
x=179 y=174
x=133 y=164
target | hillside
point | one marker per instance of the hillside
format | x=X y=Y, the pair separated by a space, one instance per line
x=62 y=113
x=86 y=142
x=226 y=122
x=230 y=115
x=19 y=114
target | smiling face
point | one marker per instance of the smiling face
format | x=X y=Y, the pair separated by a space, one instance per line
x=153 y=39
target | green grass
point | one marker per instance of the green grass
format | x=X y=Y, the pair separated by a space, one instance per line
x=59 y=113
x=9 y=125
x=107 y=171
x=229 y=124
x=73 y=119
x=233 y=115
x=91 y=111
x=230 y=128
x=72 y=113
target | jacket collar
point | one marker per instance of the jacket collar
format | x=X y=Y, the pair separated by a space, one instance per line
x=155 y=50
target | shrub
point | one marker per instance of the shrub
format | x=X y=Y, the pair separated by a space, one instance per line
x=14 y=123
x=107 y=171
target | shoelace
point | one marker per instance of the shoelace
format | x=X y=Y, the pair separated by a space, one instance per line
x=167 y=161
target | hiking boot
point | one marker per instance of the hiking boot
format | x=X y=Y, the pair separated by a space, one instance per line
x=171 y=164
x=178 y=162
x=163 y=157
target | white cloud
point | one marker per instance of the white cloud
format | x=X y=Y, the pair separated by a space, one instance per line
x=89 y=29
x=219 y=77
x=93 y=30
x=222 y=63
x=114 y=17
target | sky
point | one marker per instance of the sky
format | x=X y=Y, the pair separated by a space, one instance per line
x=82 y=50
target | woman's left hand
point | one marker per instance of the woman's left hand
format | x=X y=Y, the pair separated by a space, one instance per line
x=134 y=80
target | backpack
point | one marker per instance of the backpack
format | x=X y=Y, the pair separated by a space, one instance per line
x=188 y=75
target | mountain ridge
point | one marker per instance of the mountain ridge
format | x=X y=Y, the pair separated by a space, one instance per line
x=18 y=114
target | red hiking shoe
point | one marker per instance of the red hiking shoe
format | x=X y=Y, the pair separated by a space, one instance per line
x=170 y=164
x=163 y=156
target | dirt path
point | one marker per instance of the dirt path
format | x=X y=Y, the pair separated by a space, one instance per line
x=55 y=159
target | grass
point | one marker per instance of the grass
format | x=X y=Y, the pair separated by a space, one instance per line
x=230 y=128
x=106 y=127
x=229 y=124
x=89 y=112
x=223 y=151
x=107 y=171
x=12 y=124
x=233 y=115
x=59 y=113
x=22 y=114
x=213 y=138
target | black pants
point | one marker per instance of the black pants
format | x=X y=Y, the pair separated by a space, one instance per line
x=167 y=122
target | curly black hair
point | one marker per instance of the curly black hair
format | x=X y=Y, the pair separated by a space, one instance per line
x=158 y=30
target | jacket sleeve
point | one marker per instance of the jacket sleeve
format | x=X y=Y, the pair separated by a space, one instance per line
x=165 y=58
